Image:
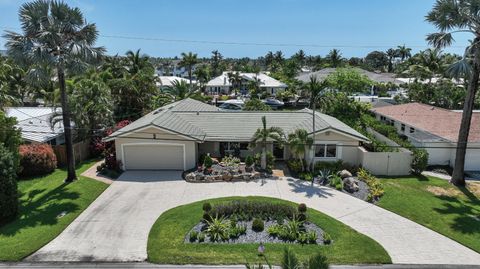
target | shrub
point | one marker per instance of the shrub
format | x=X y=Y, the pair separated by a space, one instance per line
x=375 y=187
x=258 y=225
x=249 y=161
x=327 y=239
x=247 y=210
x=312 y=237
x=291 y=230
x=37 y=159
x=302 y=208
x=207 y=217
x=336 y=182
x=274 y=230
x=318 y=261
x=217 y=229
x=307 y=176
x=302 y=217
x=231 y=160
x=8 y=185
x=237 y=230
x=289 y=260
x=270 y=160
x=333 y=167
x=420 y=160
x=207 y=162
x=193 y=236
x=201 y=237
x=207 y=207
x=295 y=166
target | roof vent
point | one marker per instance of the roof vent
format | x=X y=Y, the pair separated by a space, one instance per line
x=198 y=113
x=157 y=111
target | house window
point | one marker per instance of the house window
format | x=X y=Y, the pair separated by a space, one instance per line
x=325 y=151
x=403 y=127
x=243 y=146
x=412 y=130
x=392 y=122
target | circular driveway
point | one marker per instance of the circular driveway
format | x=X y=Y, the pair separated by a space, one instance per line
x=115 y=227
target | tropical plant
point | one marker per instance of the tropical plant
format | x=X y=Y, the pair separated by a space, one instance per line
x=300 y=144
x=136 y=62
x=217 y=229
x=334 y=58
x=256 y=105
x=236 y=80
x=216 y=60
x=262 y=137
x=37 y=159
x=404 y=52
x=450 y=17
x=349 y=80
x=391 y=54
x=180 y=90
x=376 y=60
x=290 y=260
x=189 y=60
x=57 y=35
x=8 y=185
x=324 y=176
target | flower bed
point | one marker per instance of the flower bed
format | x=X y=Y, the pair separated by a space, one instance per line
x=239 y=222
x=230 y=169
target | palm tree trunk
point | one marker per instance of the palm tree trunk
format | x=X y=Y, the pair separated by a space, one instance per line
x=190 y=75
x=263 y=160
x=71 y=176
x=458 y=176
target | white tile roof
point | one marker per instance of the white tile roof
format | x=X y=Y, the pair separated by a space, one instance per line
x=35 y=123
x=265 y=80
x=167 y=81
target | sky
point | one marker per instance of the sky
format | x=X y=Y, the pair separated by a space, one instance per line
x=166 y=28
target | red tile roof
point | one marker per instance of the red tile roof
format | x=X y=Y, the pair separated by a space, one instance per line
x=438 y=121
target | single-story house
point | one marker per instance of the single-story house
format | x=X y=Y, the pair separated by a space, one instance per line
x=36 y=125
x=378 y=77
x=221 y=85
x=435 y=129
x=174 y=136
x=168 y=81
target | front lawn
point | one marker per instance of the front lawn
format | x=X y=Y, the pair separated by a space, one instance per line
x=166 y=241
x=43 y=200
x=438 y=205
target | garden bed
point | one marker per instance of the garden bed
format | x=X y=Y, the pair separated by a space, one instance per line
x=167 y=245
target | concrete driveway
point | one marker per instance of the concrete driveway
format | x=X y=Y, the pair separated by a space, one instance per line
x=115 y=227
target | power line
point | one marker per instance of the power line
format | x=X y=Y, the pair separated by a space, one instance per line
x=236 y=43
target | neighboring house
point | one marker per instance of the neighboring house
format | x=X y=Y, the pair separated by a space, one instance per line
x=168 y=81
x=374 y=76
x=174 y=69
x=174 y=136
x=435 y=129
x=221 y=85
x=36 y=124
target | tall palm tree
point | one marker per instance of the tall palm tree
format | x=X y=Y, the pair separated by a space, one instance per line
x=300 y=143
x=236 y=80
x=392 y=54
x=189 y=60
x=265 y=135
x=404 y=52
x=335 y=58
x=179 y=90
x=314 y=89
x=269 y=58
x=202 y=73
x=216 y=59
x=450 y=17
x=57 y=35
x=300 y=57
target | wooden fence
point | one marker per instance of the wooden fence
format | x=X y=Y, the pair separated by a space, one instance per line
x=81 y=152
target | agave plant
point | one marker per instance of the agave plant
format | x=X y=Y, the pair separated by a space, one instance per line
x=218 y=229
x=324 y=176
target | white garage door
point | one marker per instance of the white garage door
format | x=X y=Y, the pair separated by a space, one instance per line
x=153 y=157
x=472 y=160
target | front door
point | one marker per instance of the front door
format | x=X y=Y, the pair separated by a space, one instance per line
x=278 y=151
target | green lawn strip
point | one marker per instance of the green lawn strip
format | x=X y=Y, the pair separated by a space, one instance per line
x=42 y=200
x=166 y=241
x=450 y=216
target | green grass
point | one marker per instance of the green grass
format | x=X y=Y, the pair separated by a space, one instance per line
x=166 y=241
x=450 y=215
x=42 y=200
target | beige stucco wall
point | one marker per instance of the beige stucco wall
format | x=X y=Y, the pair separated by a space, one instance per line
x=346 y=147
x=213 y=148
x=146 y=137
x=386 y=163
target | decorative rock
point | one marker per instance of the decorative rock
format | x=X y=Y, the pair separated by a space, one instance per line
x=190 y=176
x=247 y=176
x=350 y=185
x=237 y=177
x=210 y=178
x=227 y=177
x=344 y=174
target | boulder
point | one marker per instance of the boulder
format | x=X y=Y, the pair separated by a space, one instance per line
x=227 y=176
x=237 y=177
x=247 y=176
x=199 y=177
x=190 y=177
x=350 y=184
x=218 y=177
x=209 y=178
x=344 y=174
x=256 y=175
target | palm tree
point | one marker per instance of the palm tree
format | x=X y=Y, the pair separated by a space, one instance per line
x=202 y=73
x=180 y=90
x=136 y=61
x=236 y=80
x=451 y=17
x=392 y=54
x=269 y=58
x=300 y=57
x=300 y=143
x=262 y=137
x=404 y=52
x=216 y=59
x=314 y=88
x=189 y=60
x=278 y=56
x=335 y=58
x=57 y=35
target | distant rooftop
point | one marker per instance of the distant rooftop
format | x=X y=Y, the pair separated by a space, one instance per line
x=265 y=80
x=440 y=122
x=377 y=77
x=35 y=123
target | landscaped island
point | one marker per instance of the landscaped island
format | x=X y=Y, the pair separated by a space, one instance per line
x=170 y=238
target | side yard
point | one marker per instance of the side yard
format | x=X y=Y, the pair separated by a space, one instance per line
x=47 y=207
x=436 y=204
